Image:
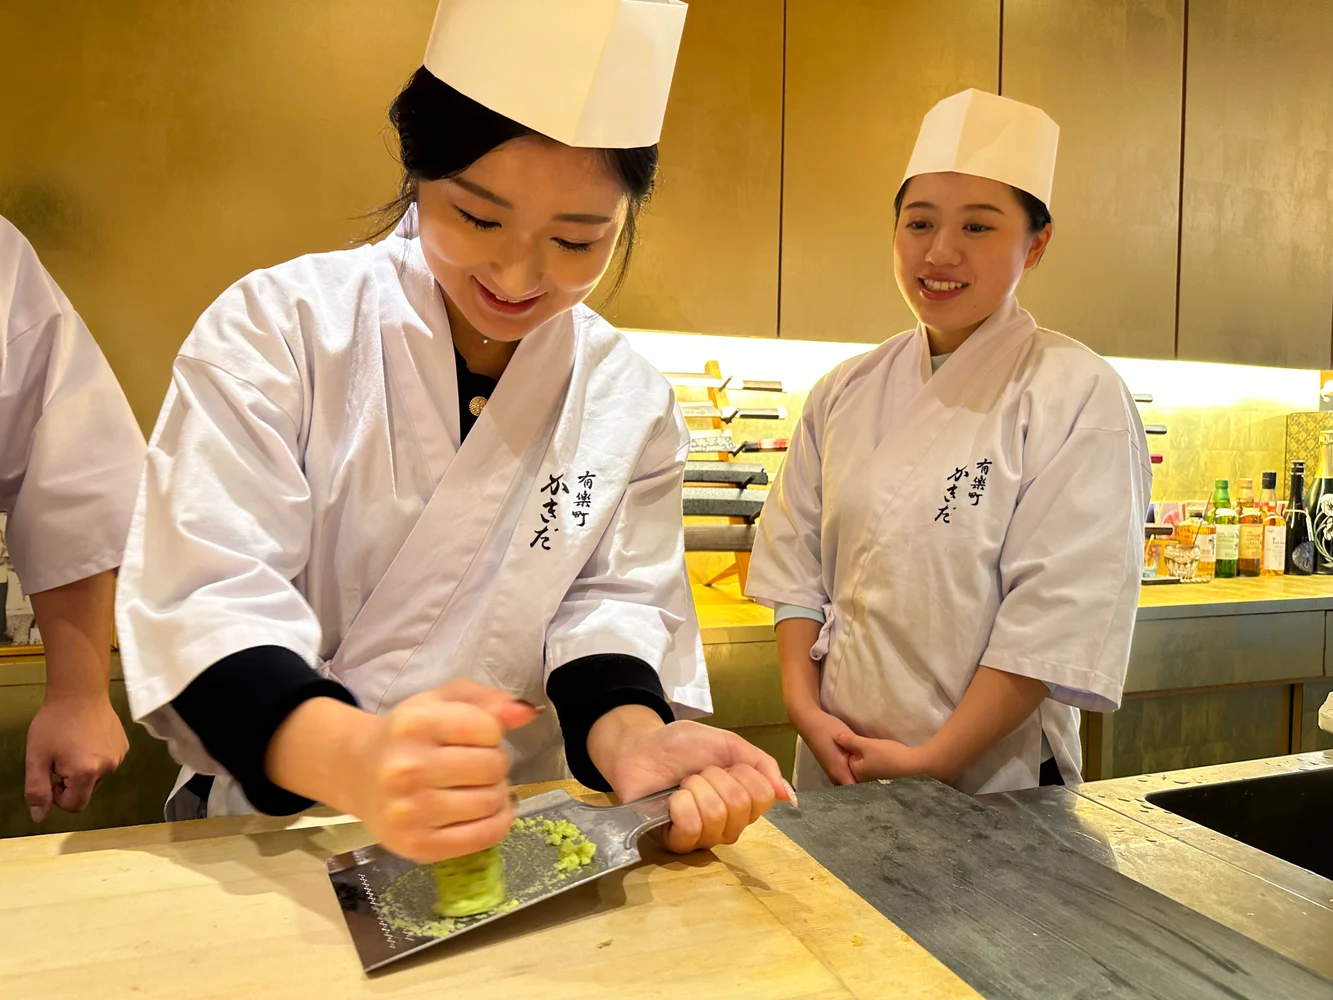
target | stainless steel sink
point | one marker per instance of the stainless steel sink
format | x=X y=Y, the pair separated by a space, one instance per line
x=1288 y=816
x=1238 y=842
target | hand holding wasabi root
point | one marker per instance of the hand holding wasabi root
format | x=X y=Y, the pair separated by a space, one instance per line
x=429 y=780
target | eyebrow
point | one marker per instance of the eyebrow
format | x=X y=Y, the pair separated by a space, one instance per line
x=495 y=199
x=981 y=206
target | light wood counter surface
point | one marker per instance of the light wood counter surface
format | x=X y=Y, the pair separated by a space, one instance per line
x=242 y=907
x=1238 y=596
x=725 y=615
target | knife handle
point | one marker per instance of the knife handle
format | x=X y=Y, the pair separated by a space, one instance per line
x=767 y=444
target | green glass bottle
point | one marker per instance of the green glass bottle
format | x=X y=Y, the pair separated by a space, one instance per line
x=1227 y=520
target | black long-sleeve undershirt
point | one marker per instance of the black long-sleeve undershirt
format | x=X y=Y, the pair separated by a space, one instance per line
x=237 y=704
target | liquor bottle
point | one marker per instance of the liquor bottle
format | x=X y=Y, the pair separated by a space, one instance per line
x=1319 y=502
x=1275 y=529
x=1251 y=529
x=1203 y=535
x=1300 y=548
x=1227 y=521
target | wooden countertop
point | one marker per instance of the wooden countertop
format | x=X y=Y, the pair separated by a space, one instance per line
x=1239 y=596
x=726 y=616
x=242 y=907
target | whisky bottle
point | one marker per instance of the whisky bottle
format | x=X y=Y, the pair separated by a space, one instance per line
x=1251 y=558
x=1275 y=529
x=1224 y=517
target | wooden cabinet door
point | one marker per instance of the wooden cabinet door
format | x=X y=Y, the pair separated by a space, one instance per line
x=861 y=74
x=1110 y=73
x=707 y=261
x=1256 y=261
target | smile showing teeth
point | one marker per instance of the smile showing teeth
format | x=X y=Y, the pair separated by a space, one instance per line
x=507 y=306
x=943 y=286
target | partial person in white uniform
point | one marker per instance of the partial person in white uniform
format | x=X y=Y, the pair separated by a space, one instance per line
x=954 y=546
x=71 y=455
x=400 y=497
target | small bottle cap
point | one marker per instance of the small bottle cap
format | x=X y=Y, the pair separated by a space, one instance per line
x=1298 y=468
x=1270 y=480
x=1222 y=484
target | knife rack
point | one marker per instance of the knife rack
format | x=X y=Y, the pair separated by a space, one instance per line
x=1152 y=430
x=720 y=399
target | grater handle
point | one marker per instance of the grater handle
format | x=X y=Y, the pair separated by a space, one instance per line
x=651 y=811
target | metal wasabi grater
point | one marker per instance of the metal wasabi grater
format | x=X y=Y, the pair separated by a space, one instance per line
x=381 y=893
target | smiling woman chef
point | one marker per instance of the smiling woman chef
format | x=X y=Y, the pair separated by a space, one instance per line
x=954 y=545
x=421 y=478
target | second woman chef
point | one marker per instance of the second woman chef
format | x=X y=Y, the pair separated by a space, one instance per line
x=954 y=546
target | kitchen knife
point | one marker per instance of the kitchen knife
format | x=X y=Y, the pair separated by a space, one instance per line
x=705 y=381
x=709 y=442
x=705 y=411
x=735 y=473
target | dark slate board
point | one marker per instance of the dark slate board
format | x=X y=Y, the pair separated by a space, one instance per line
x=723 y=502
x=1020 y=916
x=737 y=473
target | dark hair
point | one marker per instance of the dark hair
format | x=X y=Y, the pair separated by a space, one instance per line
x=1039 y=216
x=442 y=132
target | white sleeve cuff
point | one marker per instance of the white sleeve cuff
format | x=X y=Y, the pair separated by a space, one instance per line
x=781 y=612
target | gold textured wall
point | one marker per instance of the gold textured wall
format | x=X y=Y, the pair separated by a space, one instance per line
x=155 y=152
x=1206 y=443
x=1303 y=430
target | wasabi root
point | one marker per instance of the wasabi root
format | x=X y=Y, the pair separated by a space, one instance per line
x=472 y=884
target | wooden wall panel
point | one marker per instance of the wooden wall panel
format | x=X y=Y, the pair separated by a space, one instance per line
x=708 y=260
x=860 y=76
x=1256 y=282
x=1110 y=73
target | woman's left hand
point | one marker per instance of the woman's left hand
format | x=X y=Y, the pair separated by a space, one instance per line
x=871 y=759
x=725 y=782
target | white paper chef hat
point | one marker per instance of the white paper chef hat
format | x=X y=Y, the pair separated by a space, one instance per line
x=988 y=136
x=584 y=72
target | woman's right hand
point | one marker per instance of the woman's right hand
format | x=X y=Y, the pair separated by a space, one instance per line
x=817 y=728
x=432 y=776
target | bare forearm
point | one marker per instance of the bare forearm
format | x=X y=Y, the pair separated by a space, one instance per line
x=800 y=674
x=993 y=706
x=318 y=748
x=75 y=622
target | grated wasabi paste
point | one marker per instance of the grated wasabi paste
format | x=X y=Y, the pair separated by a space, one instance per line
x=575 y=854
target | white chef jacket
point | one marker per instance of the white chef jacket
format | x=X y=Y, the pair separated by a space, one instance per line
x=989 y=513
x=70 y=449
x=306 y=488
